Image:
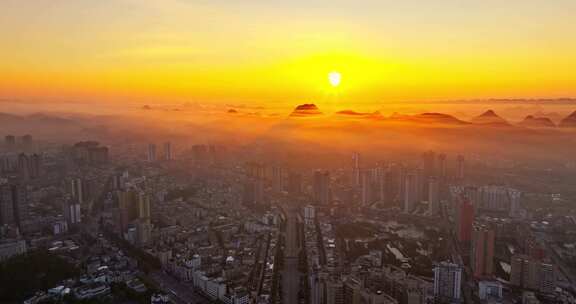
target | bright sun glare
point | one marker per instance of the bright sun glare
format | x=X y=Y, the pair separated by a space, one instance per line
x=334 y=78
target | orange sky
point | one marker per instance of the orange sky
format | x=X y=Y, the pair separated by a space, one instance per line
x=280 y=52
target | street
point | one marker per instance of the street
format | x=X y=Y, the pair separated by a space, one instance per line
x=181 y=293
x=290 y=273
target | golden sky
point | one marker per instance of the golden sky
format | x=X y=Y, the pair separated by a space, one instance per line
x=272 y=52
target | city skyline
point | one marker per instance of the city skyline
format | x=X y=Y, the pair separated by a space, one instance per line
x=287 y=152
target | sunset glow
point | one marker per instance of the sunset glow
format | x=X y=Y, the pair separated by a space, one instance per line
x=222 y=51
x=288 y=151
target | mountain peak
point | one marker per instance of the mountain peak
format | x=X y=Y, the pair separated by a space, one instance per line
x=489 y=113
x=537 y=122
x=569 y=121
x=490 y=118
x=307 y=109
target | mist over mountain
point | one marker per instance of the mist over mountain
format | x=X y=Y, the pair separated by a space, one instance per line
x=537 y=122
x=553 y=116
x=38 y=123
x=429 y=118
x=345 y=130
x=352 y=112
x=569 y=122
x=490 y=118
x=308 y=109
x=399 y=134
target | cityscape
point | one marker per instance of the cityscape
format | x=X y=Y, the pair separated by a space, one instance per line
x=167 y=222
x=287 y=152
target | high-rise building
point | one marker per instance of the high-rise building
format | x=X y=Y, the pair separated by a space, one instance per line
x=381 y=183
x=356 y=174
x=530 y=273
x=411 y=192
x=309 y=213
x=10 y=140
x=433 y=196
x=514 y=197
x=13 y=204
x=203 y=154
x=278 y=179
x=77 y=190
x=168 y=151
x=464 y=221
x=143 y=232
x=482 y=255
x=386 y=191
x=89 y=152
x=492 y=197
x=395 y=183
x=429 y=163
x=7 y=164
x=23 y=167
x=151 y=156
x=253 y=193
x=442 y=170
x=447 y=282
x=427 y=170
x=401 y=171
x=72 y=211
x=368 y=187
x=7 y=213
x=35 y=165
x=294 y=183
x=256 y=170
x=421 y=185
x=442 y=174
x=27 y=140
x=131 y=206
x=460 y=167
x=321 y=187
x=144 y=207
x=20 y=204
x=29 y=167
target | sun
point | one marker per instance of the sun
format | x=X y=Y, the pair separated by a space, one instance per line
x=334 y=78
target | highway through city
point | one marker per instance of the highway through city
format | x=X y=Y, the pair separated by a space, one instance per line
x=290 y=273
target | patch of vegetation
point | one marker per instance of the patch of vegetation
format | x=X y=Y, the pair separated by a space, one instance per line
x=22 y=276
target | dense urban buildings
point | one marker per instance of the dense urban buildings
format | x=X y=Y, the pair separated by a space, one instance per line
x=208 y=223
x=287 y=152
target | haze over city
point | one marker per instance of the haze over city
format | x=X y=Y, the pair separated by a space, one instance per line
x=288 y=152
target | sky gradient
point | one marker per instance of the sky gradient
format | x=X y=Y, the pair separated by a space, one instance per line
x=280 y=52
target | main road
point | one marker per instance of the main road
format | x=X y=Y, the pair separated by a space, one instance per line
x=181 y=293
x=290 y=273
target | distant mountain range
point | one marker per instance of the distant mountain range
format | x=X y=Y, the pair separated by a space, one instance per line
x=35 y=118
x=537 y=122
x=42 y=124
x=488 y=118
